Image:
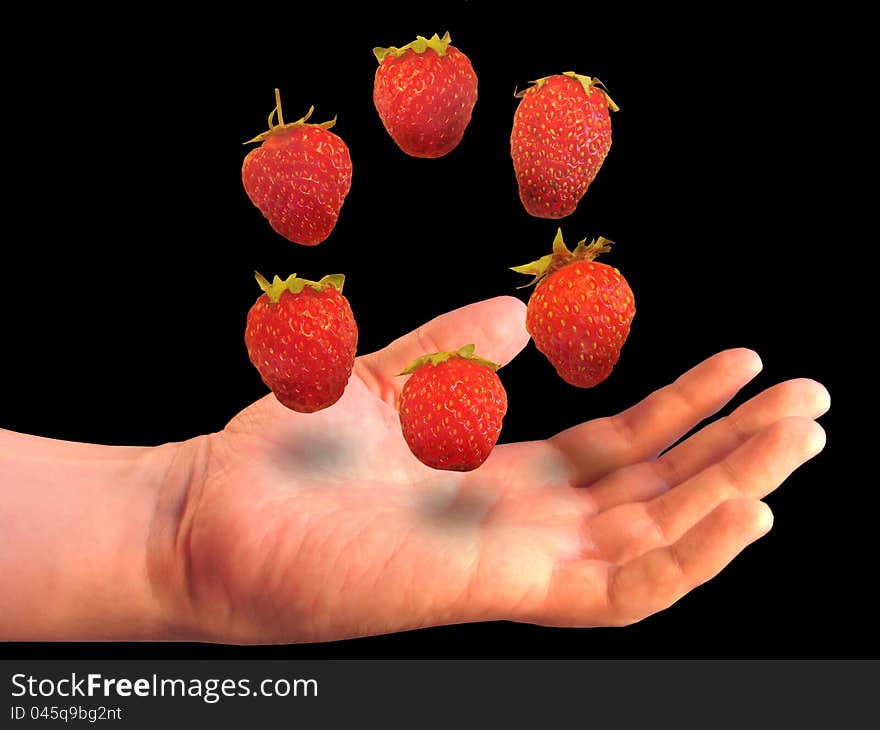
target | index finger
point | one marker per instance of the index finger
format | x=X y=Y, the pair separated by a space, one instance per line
x=642 y=431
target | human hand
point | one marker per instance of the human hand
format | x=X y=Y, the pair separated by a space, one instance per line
x=289 y=527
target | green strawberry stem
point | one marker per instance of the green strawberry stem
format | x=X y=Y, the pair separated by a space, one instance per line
x=588 y=82
x=435 y=358
x=419 y=45
x=561 y=256
x=281 y=126
x=295 y=285
x=277 y=110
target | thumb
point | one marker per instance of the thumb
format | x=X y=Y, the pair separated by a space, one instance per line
x=496 y=327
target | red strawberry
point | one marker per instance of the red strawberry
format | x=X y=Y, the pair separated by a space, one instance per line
x=301 y=336
x=425 y=93
x=580 y=313
x=561 y=136
x=451 y=409
x=298 y=177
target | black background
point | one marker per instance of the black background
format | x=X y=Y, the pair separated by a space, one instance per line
x=130 y=248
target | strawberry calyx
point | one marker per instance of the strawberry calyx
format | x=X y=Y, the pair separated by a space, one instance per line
x=279 y=126
x=435 y=358
x=419 y=45
x=294 y=285
x=588 y=82
x=561 y=256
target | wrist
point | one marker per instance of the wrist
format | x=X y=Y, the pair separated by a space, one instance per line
x=176 y=471
x=86 y=531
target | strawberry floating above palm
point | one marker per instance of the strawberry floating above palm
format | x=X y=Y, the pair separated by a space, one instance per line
x=298 y=177
x=302 y=337
x=561 y=136
x=451 y=409
x=580 y=313
x=425 y=93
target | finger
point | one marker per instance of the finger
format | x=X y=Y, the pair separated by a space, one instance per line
x=659 y=578
x=495 y=326
x=752 y=471
x=641 y=432
x=801 y=398
x=794 y=398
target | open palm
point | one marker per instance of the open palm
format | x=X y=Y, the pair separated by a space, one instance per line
x=324 y=526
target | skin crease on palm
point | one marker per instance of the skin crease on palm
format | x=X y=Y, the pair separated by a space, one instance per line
x=288 y=527
x=292 y=527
